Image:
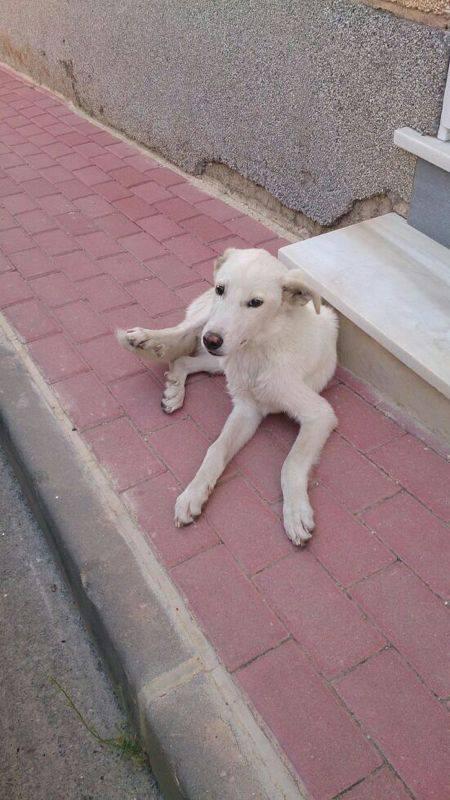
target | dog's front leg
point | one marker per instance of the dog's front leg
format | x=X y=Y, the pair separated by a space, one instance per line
x=317 y=420
x=173 y=397
x=168 y=344
x=238 y=429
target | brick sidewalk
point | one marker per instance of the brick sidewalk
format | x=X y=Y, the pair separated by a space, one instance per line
x=342 y=648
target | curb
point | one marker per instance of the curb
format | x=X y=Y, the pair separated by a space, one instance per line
x=202 y=740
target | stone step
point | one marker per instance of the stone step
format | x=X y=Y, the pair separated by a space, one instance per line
x=391 y=282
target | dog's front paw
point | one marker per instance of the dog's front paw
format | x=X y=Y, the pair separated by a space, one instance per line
x=173 y=397
x=189 y=505
x=142 y=339
x=299 y=521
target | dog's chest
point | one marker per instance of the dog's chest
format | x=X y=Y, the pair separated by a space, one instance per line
x=250 y=377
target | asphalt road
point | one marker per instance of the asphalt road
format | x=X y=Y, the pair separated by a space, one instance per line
x=46 y=752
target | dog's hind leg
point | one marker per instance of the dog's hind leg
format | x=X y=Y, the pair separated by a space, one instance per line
x=169 y=344
x=173 y=397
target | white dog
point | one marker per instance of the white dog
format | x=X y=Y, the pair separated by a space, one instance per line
x=277 y=351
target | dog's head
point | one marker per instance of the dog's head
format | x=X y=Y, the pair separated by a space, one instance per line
x=251 y=289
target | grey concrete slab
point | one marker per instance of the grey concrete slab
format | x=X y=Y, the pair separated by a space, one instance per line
x=299 y=96
x=430 y=204
x=144 y=631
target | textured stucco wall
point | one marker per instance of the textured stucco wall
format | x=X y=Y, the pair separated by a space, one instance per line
x=299 y=96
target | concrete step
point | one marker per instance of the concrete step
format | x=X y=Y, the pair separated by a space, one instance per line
x=391 y=285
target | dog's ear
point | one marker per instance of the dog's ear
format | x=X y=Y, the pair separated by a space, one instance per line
x=295 y=291
x=221 y=260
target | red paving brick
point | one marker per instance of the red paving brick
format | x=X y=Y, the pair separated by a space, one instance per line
x=98 y=243
x=318 y=614
x=56 y=358
x=77 y=265
x=55 y=243
x=128 y=176
x=108 y=360
x=358 y=422
x=13 y=240
x=7 y=220
x=166 y=177
x=209 y=404
x=151 y=191
x=39 y=187
x=189 y=249
x=190 y=193
x=382 y=785
x=140 y=395
x=56 y=204
x=104 y=293
x=154 y=295
x=230 y=241
x=206 y=228
x=250 y=230
x=425 y=474
x=229 y=608
x=31 y=320
x=80 y=321
x=55 y=289
x=124 y=268
x=32 y=263
x=205 y=269
x=218 y=210
x=140 y=161
x=261 y=461
x=123 y=453
x=127 y=317
x=171 y=271
x=181 y=446
x=33 y=221
x=342 y=543
x=94 y=206
x=160 y=227
x=355 y=481
x=86 y=400
x=250 y=530
x=323 y=743
x=153 y=504
x=404 y=719
x=91 y=175
x=418 y=537
x=400 y=605
x=189 y=293
x=75 y=223
x=142 y=245
x=13 y=289
x=134 y=208
x=123 y=241
x=112 y=190
x=5 y=264
x=116 y=225
x=17 y=203
x=176 y=209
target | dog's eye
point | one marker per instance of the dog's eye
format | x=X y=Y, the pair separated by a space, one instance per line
x=220 y=289
x=254 y=302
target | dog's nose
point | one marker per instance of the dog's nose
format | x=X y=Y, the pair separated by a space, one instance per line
x=212 y=341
